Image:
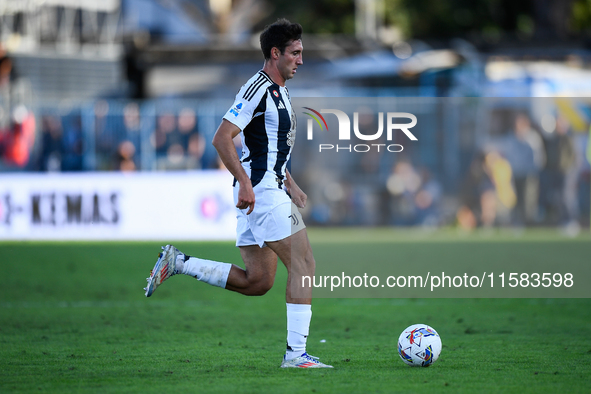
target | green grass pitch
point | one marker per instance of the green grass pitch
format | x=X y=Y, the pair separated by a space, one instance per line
x=73 y=318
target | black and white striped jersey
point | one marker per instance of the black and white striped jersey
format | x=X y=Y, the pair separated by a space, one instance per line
x=262 y=110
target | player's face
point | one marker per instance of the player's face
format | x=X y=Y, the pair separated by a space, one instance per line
x=290 y=59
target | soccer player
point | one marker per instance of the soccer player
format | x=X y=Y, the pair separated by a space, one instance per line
x=266 y=196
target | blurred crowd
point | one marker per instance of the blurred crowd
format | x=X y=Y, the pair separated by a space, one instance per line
x=17 y=122
x=526 y=178
x=121 y=139
x=523 y=176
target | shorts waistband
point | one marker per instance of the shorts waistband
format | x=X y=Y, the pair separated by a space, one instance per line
x=266 y=177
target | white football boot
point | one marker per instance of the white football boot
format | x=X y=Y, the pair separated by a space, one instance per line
x=165 y=268
x=304 y=361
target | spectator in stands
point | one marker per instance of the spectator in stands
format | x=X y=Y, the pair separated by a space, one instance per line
x=73 y=145
x=178 y=140
x=192 y=140
x=498 y=206
x=403 y=184
x=428 y=200
x=475 y=184
x=487 y=195
x=51 y=144
x=132 y=123
x=5 y=67
x=125 y=156
x=187 y=126
x=195 y=150
x=561 y=159
x=166 y=124
x=524 y=150
x=17 y=143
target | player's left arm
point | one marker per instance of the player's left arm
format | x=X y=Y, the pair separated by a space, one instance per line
x=298 y=197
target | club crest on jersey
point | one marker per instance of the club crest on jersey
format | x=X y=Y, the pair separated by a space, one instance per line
x=275 y=93
x=236 y=110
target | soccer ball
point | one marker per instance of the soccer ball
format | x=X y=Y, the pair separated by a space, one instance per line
x=419 y=345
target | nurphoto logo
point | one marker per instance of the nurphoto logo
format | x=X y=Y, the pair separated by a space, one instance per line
x=344 y=132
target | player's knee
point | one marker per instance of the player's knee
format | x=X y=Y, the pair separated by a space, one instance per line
x=262 y=286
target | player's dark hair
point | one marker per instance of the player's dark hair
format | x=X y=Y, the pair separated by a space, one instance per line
x=279 y=35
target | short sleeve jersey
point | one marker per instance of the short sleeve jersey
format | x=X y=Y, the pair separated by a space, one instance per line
x=262 y=110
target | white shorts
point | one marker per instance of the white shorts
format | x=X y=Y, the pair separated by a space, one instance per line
x=275 y=216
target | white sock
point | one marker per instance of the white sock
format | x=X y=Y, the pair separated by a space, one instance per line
x=298 y=328
x=212 y=272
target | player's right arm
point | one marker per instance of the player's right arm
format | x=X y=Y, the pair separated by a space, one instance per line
x=224 y=144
